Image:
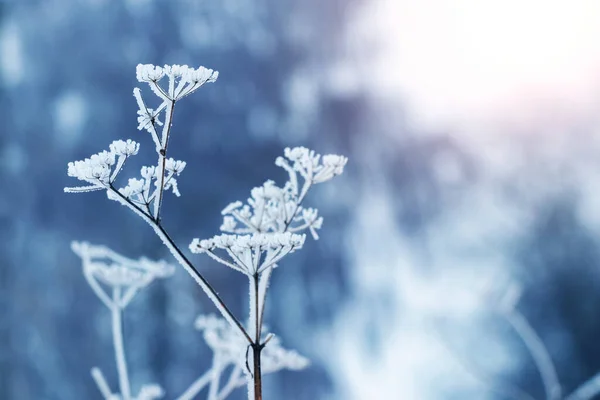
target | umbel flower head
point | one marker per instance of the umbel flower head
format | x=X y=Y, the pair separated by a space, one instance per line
x=103 y=268
x=279 y=209
x=266 y=228
x=250 y=254
x=183 y=80
x=97 y=171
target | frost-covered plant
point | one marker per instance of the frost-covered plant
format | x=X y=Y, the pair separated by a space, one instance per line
x=257 y=234
x=263 y=234
x=116 y=280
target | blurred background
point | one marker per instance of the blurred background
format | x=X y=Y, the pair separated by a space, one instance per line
x=473 y=133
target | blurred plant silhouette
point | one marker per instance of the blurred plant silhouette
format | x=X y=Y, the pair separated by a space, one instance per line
x=504 y=304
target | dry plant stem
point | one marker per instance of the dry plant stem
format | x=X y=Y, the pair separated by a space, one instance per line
x=185 y=263
x=256 y=350
x=538 y=352
x=117 y=328
x=257 y=346
x=162 y=157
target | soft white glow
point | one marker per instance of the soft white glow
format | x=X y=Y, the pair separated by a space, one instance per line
x=453 y=60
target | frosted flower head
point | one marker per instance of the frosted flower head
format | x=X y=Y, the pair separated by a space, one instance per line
x=267 y=191
x=176 y=71
x=261 y=241
x=250 y=254
x=276 y=358
x=312 y=166
x=103 y=266
x=117 y=275
x=95 y=170
x=200 y=75
x=332 y=165
x=312 y=221
x=298 y=154
x=174 y=166
x=124 y=148
x=266 y=212
x=229 y=224
x=134 y=187
x=148 y=172
x=149 y=73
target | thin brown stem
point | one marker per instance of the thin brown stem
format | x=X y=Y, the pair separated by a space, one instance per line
x=162 y=157
x=257 y=346
x=256 y=350
x=256 y=315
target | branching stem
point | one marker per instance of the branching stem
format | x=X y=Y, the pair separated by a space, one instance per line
x=185 y=263
x=162 y=157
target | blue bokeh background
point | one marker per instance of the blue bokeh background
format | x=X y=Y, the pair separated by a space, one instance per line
x=430 y=210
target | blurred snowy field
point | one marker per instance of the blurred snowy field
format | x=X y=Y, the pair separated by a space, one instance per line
x=473 y=133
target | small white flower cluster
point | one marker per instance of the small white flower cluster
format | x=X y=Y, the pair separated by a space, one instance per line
x=124 y=148
x=250 y=254
x=143 y=193
x=98 y=170
x=102 y=265
x=276 y=358
x=183 y=80
x=267 y=211
x=307 y=163
x=224 y=341
x=274 y=209
x=273 y=215
x=95 y=170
